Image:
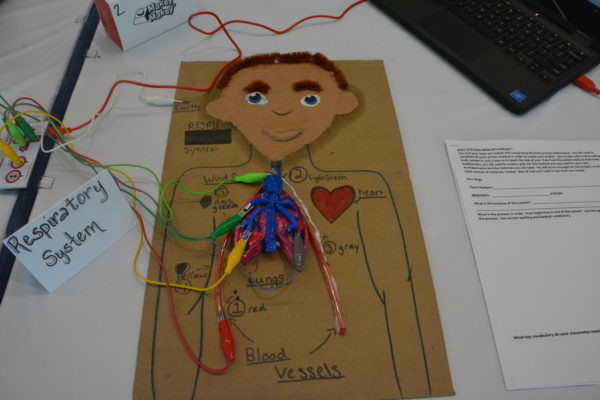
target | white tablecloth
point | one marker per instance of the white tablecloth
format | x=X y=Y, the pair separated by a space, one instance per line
x=81 y=341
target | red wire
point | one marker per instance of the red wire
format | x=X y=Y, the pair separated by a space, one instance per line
x=322 y=260
x=70 y=150
x=328 y=280
x=219 y=272
x=172 y=307
x=279 y=32
x=148 y=85
x=169 y=292
x=222 y=26
x=90 y=159
x=324 y=268
x=30 y=100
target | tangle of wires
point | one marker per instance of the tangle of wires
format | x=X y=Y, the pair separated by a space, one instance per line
x=27 y=107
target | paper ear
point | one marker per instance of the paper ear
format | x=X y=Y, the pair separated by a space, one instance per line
x=348 y=103
x=216 y=110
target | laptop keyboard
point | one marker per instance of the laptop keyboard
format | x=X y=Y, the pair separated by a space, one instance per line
x=531 y=43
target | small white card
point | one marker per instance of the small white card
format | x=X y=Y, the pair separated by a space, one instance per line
x=73 y=233
x=131 y=22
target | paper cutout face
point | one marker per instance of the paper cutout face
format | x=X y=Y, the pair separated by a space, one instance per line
x=281 y=107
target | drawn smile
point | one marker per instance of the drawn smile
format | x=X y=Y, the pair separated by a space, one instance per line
x=284 y=136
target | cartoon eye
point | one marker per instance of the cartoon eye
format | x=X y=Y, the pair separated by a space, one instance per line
x=257 y=98
x=310 y=100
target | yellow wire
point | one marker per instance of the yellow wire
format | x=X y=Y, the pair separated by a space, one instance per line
x=139 y=221
x=35 y=112
x=141 y=242
x=132 y=183
x=9 y=151
x=157 y=283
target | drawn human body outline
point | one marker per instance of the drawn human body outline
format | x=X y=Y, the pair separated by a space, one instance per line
x=380 y=293
x=383 y=295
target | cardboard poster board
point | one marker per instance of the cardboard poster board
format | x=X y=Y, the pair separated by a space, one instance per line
x=285 y=339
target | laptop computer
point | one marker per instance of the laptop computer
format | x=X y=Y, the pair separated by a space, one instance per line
x=518 y=51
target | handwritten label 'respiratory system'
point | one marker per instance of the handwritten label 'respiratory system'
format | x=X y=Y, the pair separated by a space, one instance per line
x=73 y=233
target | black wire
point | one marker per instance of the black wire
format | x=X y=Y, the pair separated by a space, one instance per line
x=135 y=189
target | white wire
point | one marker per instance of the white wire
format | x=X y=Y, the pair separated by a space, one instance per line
x=97 y=115
x=316 y=230
x=318 y=237
x=152 y=100
x=337 y=320
x=149 y=100
x=79 y=137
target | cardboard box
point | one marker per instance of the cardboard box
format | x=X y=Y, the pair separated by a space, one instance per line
x=131 y=22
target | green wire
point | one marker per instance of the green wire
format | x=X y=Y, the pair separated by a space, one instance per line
x=164 y=225
x=6 y=102
x=29 y=105
x=136 y=199
x=162 y=199
x=163 y=204
x=156 y=179
x=9 y=108
x=169 y=216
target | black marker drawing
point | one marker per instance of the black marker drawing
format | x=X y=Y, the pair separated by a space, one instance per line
x=330 y=332
x=237 y=308
x=119 y=12
x=205 y=201
x=153 y=11
x=182 y=270
x=358 y=213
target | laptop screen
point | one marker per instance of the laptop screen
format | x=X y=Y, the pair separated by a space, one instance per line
x=584 y=15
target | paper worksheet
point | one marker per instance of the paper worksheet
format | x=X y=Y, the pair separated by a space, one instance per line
x=533 y=214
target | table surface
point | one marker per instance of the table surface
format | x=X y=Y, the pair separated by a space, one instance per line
x=36 y=41
x=81 y=341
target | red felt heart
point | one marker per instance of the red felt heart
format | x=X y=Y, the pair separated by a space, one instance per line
x=332 y=204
